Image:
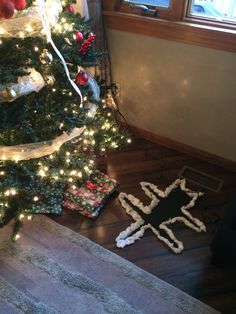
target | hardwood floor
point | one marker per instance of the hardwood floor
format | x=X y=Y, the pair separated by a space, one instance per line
x=190 y=271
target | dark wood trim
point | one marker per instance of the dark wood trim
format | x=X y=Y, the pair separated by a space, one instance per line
x=109 y=5
x=185 y=32
x=175 y=12
x=187 y=149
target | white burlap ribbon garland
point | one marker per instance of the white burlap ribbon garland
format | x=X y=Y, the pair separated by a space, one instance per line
x=28 y=23
x=33 y=82
x=41 y=149
x=37 y=150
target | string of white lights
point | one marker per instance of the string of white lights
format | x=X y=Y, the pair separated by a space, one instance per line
x=47 y=31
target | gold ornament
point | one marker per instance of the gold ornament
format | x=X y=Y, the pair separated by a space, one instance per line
x=45 y=57
x=67 y=40
x=49 y=79
x=8 y=94
x=110 y=102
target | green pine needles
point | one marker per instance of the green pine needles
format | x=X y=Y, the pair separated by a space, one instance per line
x=36 y=185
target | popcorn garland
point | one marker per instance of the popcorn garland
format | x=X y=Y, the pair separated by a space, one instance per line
x=136 y=230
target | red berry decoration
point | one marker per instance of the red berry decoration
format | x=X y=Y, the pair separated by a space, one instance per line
x=7 y=9
x=70 y=9
x=19 y=4
x=81 y=78
x=87 y=44
x=79 y=36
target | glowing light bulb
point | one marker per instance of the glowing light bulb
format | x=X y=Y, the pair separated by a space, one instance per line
x=61 y=171
x=22 y=216
x=7 y=193
x=35 y=198
x=129 y=140
x=66 y=26
x=2 y=31
x=58 y=27
x=16 y=158
x=42 y=173
x=17 y=236
x=29 y=28
x=29 y=217
x=21 y=34
x=13 y=191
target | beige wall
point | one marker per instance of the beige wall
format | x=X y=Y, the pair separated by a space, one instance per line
x=183 y=92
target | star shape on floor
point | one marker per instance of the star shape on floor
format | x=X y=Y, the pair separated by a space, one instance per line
x=166 y=208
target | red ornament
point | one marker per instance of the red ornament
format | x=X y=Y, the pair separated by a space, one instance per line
x=91 y=185
x=87 y=44
x=70 y=9
x=81 y=78
x=79 y=36
x=7 y=9
x=19 y=4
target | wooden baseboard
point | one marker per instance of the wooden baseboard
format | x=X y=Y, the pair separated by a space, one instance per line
x=190 y=150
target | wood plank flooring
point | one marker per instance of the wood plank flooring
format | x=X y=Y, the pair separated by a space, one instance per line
x=190 y=271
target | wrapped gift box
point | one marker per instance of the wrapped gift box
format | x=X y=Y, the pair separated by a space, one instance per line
x=90 y=197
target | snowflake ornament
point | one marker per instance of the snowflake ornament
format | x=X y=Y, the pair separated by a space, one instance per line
x=166 y=208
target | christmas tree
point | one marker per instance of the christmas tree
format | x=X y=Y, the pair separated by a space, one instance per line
x=54 y=118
